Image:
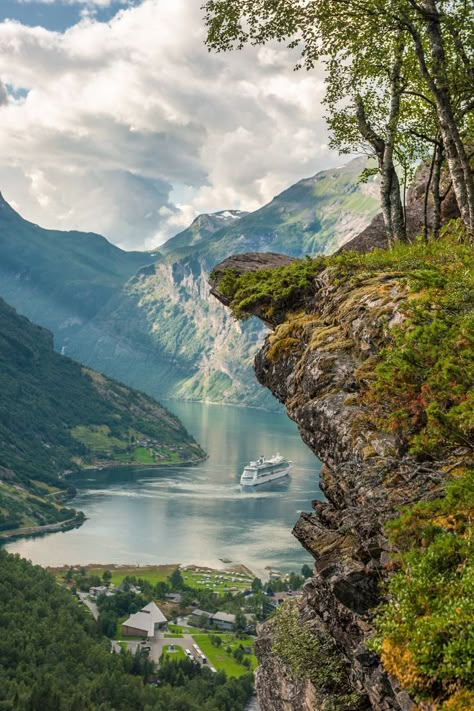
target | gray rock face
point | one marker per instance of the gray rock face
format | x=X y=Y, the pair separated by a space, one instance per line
x=315 y=365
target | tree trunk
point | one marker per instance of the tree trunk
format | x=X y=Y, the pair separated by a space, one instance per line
x=385 y=200
x=396 y=208
x=437 y=80
x=435 y=189
x=427 y=194
x=392 y=208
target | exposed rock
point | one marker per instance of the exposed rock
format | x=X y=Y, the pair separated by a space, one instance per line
x=315 y=364
x=374 y=237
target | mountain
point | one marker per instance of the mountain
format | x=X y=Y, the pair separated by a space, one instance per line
x=200 y=230
x=164 y=332
x=57 y=416
x=59 y=279
x=148 y=319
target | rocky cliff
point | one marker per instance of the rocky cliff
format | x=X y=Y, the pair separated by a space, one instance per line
x=316 y=361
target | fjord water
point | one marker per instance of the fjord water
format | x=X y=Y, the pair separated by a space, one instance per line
x=194 y=514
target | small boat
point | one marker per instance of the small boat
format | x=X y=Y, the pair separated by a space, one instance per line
x=264 y=470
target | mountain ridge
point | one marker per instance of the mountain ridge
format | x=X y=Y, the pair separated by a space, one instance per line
x=157 y=329
x=56 y=416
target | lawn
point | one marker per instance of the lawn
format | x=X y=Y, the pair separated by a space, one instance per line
x=219 y=581
x=152 y=574
x=220 y=659
x=179 y=629
x=177 y=655
x=143 y=456
x=176 y=635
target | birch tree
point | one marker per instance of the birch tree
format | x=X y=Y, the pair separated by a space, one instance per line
x=439 y=34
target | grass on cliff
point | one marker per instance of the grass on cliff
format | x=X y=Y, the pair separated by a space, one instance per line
x=421 y=389
x=310 y=656
x=272 y=291
x=425 y=632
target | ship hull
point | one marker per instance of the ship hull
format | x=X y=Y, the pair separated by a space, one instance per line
x=265 y=479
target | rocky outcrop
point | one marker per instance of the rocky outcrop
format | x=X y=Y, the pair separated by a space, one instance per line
x=374 y=235
x=315 y=363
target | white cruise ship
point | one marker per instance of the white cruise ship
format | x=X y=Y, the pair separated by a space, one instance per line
x=264 y=470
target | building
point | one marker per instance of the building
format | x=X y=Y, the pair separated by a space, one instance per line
x=223 y=621
x=145 y=623
x=99 y=590
x=197 y=617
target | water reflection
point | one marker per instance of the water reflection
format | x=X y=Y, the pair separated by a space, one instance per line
x=194 y=514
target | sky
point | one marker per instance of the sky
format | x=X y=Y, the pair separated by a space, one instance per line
x=115 y=119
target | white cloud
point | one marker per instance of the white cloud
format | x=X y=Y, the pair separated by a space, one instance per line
x=108 y=122
x=98 y=3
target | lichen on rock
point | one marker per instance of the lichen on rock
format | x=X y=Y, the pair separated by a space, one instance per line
x=333 y=359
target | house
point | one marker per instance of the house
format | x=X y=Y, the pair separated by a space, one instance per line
x=128 y=587
x=223 y=620
x=145 y=623
x=197 y=617
x=174 y=597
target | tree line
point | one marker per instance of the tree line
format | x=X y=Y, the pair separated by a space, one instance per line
x=53 y=657
x=399 y=86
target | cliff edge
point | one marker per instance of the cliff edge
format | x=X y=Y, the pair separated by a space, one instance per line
x=339 y=325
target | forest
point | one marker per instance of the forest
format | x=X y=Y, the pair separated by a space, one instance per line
x=54 y=658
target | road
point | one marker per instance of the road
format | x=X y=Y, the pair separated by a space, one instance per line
x=84 y=597
x=160 y=641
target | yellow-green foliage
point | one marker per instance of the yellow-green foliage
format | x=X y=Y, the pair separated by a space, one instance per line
x=272 y=291
x=425 y=632
x=313 y=658
x=422 y=387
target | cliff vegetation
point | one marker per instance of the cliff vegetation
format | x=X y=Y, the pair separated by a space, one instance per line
x=373 y=355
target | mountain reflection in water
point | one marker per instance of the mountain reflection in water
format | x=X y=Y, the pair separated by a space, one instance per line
x=194 y=514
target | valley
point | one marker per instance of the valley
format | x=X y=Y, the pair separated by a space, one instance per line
x=148 y=319
x=58 y=417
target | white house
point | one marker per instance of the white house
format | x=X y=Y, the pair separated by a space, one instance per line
x=146 y=622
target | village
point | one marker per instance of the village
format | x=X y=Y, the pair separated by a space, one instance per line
x=176 y=612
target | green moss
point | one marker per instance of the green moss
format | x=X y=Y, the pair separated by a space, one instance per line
x=314 y=658
x=284 y=346
x=422 y=389
x=425 y=632
x=273 y=292
x=422 y=386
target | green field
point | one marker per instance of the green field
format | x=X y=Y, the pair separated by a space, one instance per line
x=222 y=660
x=152 y=574
x=143 y=456
x=179 y=629
x=177 y=655
x=219 y=581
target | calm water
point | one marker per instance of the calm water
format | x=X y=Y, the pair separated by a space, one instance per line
x=195 y=514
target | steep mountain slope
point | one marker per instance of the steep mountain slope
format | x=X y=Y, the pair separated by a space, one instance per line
x=372 y=356
x=59 y=279
x=200 y=230
x=164 y=333
x=56 y=415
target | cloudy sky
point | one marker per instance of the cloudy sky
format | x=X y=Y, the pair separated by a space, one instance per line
x=115 y=119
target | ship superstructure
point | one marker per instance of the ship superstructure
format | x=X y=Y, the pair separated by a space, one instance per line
x=264 y=470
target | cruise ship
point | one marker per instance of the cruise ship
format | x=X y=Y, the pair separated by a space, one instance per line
x=264 y=470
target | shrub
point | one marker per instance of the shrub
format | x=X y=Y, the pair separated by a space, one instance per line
x=425 y=632
x=312 y=657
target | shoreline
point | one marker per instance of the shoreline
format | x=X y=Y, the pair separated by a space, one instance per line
x=133 y=465
x=80 y=517
x=34 y=531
